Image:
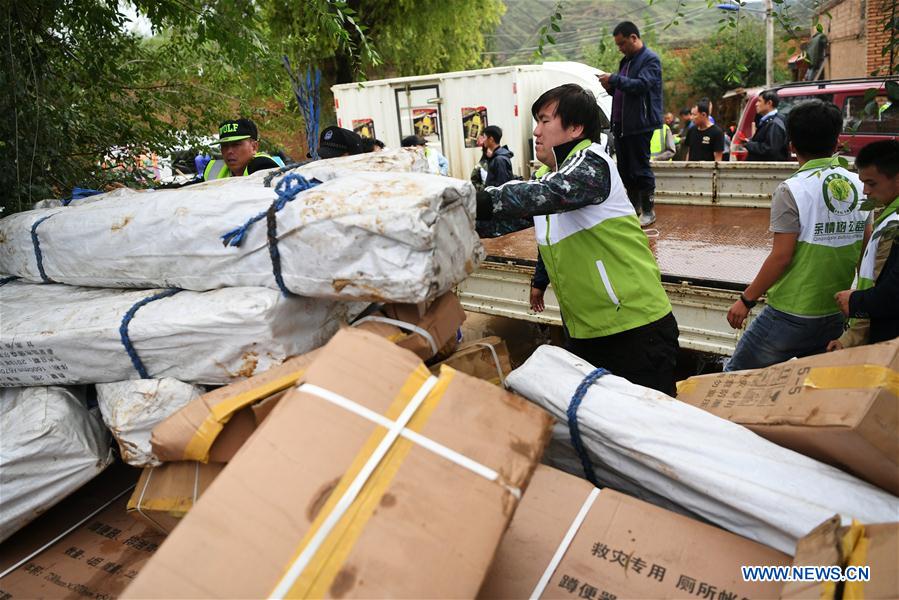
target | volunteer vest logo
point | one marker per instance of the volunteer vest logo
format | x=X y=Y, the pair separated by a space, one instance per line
x=840 y=195
x=228 y=128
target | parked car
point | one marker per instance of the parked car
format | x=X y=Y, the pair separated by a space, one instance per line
x=865 y=118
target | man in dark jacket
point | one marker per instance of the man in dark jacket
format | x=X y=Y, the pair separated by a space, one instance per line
x=770 y=139
x=636 y=113
x=499 y=158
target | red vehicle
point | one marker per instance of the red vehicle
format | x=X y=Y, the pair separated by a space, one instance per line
x=865 y=120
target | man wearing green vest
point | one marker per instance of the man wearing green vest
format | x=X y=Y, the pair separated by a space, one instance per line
x=598 y=259
x=240 y=151
x=819 y=229
x=662 y=145
x=874 y=301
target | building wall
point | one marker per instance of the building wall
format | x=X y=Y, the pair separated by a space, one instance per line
x=846 y=31
x=876 y=12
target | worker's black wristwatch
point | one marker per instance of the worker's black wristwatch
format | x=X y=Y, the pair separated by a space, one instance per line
x=748 y=303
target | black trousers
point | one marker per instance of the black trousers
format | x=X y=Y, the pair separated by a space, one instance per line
x=632 y=154
x=646 y=355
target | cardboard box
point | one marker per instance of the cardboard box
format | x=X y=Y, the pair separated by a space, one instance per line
x=623 y=548
x=486 y=359
x=164 y=494
x=441 y=322
x=214 y=426
x=875 y=546
x=423 y=525
x=841 y=407
x=96 y=560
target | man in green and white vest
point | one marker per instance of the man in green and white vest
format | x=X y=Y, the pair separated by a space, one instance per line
x=874 y=299
x=240 y=151
x=819 y=229
x=598 y=259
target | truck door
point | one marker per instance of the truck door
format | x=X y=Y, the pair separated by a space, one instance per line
x=418 y=113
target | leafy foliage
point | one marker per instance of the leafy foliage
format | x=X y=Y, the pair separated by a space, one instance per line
x=735 y=58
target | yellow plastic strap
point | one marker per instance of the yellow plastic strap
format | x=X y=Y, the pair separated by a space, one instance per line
x=687 y=386
x=199 y=445
x=856 y=376
x=854 y=547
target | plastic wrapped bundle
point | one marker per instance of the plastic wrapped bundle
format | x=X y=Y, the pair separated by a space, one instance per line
x=57 y=334
x=716 y=469
x=131 y=409
x=390 y=237
x=50 y=445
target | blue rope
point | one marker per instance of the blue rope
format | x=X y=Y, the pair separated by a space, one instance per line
x=79 y=193
x=287 y=189
x=126 y=320
x=573 y=426
x=7 y=279
x=273 y=252
x=38 y=255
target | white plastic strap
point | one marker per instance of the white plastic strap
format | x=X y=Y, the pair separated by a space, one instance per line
x=64 y=533
x=499 y=368
x=395 y=429
x=196 y=482
x=564 y=544
x=403 y=325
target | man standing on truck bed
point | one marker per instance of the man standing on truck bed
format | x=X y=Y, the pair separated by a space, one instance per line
x=874 y=303
x=819 y=229
x=240 y=151
x=769 y=142
x=636 y=112
x=598 y=260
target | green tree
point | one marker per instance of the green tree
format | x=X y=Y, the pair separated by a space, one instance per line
x=734 y=58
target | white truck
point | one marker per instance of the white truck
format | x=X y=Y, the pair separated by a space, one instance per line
x=451 y=109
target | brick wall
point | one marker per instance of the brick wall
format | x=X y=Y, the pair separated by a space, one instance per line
x=845 y=29
x=877 y=38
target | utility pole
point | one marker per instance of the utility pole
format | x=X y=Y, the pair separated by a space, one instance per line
x=769 y=44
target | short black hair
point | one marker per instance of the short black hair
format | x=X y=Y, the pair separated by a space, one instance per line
x=369 y=144
x=770 y=96
x=814 y=126
x=577 y=106
x=702 y=106
x=413 y=140
x=684 y=111
x=494 y=132
x=626 y=29
x=882 y=155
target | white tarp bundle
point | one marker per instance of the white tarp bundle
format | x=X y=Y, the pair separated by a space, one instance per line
x=131 y=409
x=716 y=469
x=55 y=334
x=50 y=445
x=399 y=160
x=390 y=237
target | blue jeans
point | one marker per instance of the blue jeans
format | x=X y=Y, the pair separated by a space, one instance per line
x=776 y=336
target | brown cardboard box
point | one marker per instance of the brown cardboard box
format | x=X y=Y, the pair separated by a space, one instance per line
x=214 y=426
x=421 y=526
x=479 y=359
x=624 y=548
x=441 y=320
x=164 y=494
x=875 y=546
x=96 y=560
x=841 y=407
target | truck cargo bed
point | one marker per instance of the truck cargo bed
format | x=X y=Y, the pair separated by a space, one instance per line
x=712 y=246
